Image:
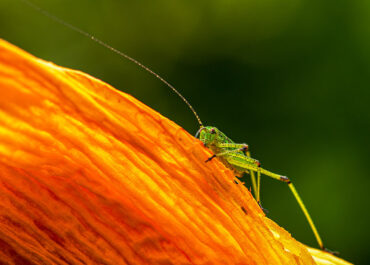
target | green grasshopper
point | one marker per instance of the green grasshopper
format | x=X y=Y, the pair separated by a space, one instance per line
x=237 y=157
x=233 y=155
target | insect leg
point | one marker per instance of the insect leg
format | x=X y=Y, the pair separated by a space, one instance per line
x=233 y=145
x=299 y=200
x=258 y=188
x=254 y=183
x=234 y=154
x=227 y=153
x=230 y=148
x=244 y=149
x=253 y=180
x=237 y=161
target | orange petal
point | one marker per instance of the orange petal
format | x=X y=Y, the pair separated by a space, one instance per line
x=89 y=174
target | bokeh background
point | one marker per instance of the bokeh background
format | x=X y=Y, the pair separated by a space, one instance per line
x=288 y=77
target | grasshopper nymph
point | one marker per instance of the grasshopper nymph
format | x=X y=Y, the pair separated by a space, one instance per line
x=233 y=155
x=237 y=157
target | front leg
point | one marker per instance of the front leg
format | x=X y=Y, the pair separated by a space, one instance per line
x=228 y=152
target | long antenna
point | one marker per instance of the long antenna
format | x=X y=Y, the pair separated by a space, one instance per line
x=78 y=30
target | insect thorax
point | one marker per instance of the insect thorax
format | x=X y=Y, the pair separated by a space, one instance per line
x=212 y=137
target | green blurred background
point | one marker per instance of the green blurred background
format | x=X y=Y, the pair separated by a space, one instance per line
x=288 y=77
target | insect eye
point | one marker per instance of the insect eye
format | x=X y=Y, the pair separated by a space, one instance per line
x=213 y=131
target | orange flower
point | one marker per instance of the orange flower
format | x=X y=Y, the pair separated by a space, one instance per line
x=89 y=174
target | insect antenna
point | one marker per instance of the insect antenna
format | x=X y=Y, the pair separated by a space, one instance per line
x=100 y=42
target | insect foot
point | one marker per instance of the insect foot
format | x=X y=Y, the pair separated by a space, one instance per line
x=263 y=209
x=336 y=253
x=210 y=158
